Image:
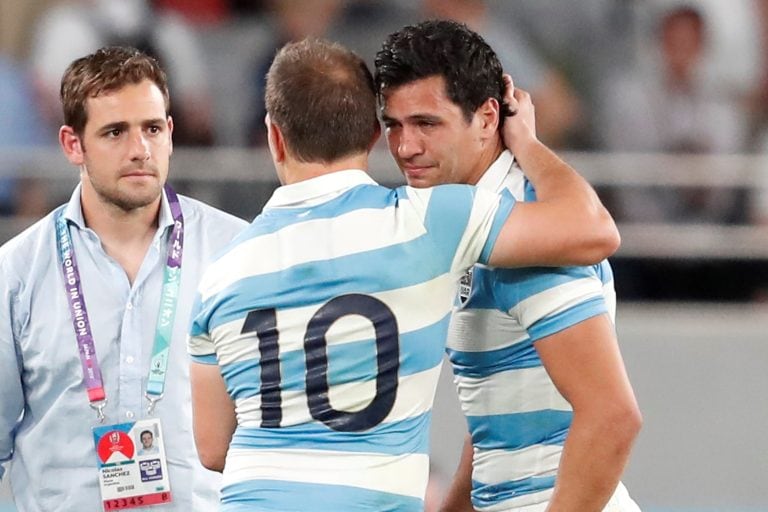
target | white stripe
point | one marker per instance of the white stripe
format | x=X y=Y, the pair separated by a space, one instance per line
x=270 y=253
x=609 y=294
x=533 y=502
x=481 y=330
x=515 y=391
x=200 y=345
x=415 y=395
x=557 y=299
x=498 y=466
x=484 y=208
x=538 y=502
x=408 y=305
x=405 y=475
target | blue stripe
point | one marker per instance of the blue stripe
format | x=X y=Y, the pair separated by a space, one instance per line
x=519 y=430
x=511 y=286
x=568 y=318
x=420 y=350
x=394 y=438
x=283 y=496
x=446 y=219
x=503 y=289
x=506 y=203
x=319 y=281
x=486 y=495
x=529 y=193
x=483 y=364
x=604 y=271
x=207 y=359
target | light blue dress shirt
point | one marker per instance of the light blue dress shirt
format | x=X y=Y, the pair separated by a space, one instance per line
x=45 y=417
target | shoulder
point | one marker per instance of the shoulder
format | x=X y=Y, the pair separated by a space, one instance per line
x=32 y=247
x=209 y=217
x=21 y=246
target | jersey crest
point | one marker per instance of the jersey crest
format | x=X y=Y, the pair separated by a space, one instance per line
x=465 y=286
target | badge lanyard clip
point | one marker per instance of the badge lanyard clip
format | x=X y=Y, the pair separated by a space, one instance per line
x=99 y=408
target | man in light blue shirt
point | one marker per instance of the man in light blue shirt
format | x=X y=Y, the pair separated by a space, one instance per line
x=96 y=299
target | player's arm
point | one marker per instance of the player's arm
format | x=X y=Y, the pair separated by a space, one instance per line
x=585 y=364
x=567 y=225
x=11 y=392
x=457 y=499
x=213 y=415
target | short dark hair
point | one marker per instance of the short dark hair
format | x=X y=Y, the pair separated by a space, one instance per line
x=469 y=66
x=106 y=70
x=321 y=96
x=146 y=432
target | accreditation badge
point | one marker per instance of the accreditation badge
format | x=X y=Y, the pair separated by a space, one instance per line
x=133 y=470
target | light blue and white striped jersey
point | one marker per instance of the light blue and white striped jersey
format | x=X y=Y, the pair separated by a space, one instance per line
x=328 y=317
x=517 y=418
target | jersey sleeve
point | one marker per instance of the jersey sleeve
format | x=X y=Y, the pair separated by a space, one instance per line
x=463 y=220
x=548 y=300
x=199 y=342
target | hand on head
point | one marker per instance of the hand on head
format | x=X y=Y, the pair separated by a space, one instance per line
x=520 y=123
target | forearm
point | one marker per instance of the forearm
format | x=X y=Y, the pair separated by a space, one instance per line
x=594 y=457
x=458 y=497
x=213 y=415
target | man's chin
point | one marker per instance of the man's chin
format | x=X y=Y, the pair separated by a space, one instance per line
x=421 y=180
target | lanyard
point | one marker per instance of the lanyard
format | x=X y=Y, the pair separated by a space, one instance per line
x=94 y=383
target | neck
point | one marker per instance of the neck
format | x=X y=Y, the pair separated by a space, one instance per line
x=489 y=155
x=295 y=171
x=124 y=234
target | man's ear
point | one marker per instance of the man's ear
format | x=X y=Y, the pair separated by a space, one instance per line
x=170 y=135
x=72 y=145
x=276 y=140
x=488 y=114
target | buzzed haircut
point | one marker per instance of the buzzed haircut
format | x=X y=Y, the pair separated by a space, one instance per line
x=322 y=98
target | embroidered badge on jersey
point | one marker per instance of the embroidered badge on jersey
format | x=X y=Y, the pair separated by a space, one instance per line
x=465 y=286
x=133 y=471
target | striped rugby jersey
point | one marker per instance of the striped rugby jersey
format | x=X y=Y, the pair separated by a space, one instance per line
x=328 y=317
x=516 y=417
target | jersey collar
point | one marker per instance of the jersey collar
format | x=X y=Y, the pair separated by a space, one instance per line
x=493 y=178
x=318 y=190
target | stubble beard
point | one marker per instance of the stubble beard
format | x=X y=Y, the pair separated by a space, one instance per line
x=128 y=196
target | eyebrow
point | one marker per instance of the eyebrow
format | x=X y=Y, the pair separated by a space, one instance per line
x=413 y=118
x=123 y=125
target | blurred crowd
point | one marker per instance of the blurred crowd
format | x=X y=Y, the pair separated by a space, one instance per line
x=670 y=76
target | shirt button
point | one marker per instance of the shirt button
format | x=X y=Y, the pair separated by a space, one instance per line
x=129 y=359
x=129 y=305
x=129 y=415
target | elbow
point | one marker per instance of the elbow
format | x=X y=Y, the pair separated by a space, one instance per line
x=625 y=425
x=611 y=236
x=603 y=242
x=211 y=460
x=611 y=241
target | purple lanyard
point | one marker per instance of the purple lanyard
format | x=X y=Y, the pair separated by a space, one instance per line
x=94 y=383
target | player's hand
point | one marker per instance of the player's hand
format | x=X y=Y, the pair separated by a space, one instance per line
x=519 y=128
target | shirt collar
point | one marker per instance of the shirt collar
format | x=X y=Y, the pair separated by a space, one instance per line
x=73 y=211
x=493 y=178
x=318 y=190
